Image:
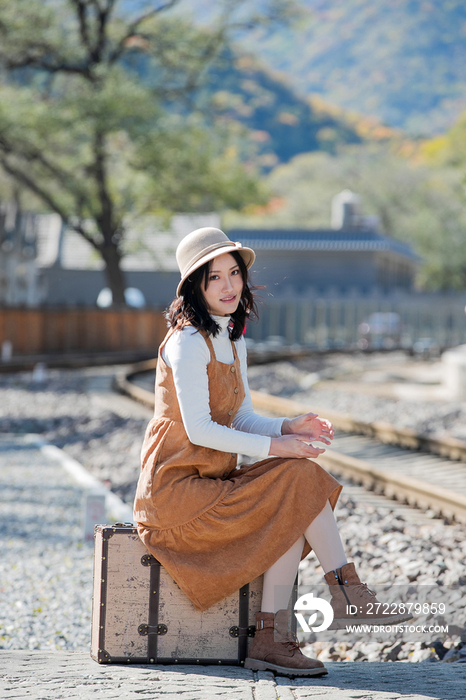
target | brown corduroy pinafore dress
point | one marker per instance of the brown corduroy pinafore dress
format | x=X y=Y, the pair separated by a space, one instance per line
x=214 y=527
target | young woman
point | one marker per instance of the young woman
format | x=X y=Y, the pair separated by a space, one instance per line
x=215 y=527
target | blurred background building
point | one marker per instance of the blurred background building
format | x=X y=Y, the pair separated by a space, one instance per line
x=351 y=257
x=43 y=262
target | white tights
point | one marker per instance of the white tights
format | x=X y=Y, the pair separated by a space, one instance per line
x=324 y=538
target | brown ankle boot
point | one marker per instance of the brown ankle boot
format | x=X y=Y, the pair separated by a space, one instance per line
x=354 y=603
x=274 y=649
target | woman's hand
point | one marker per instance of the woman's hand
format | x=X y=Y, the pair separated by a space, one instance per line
x=293 y=446
x=309 y=426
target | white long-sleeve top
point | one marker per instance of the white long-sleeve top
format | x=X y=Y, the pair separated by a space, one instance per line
x=187 y=354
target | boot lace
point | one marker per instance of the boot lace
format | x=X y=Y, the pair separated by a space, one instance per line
x=362 y=590
x=291 y=642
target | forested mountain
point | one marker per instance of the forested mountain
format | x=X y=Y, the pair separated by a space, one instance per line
x=282 y=124
x=401 y=60
x=239 y=89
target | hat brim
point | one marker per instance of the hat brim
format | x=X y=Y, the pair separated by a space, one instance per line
x=247 y=254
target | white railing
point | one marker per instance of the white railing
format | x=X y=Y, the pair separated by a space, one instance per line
x=334 y=322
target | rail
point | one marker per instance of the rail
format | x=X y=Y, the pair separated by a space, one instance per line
x=446 y=502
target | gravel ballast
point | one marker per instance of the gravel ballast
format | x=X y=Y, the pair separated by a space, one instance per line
x=300 y=380
x=48 y=576
x=45 y=567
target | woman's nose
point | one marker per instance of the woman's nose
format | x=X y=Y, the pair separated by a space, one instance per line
x=227 y=286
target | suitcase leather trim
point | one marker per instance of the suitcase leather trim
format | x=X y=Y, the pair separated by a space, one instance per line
x=153 y=611
x=103 y=656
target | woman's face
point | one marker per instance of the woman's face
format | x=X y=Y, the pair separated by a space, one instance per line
x=224 y=286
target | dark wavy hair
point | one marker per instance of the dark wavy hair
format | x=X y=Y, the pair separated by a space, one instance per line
x=190 y=307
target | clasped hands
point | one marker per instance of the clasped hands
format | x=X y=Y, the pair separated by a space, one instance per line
x=298 y=432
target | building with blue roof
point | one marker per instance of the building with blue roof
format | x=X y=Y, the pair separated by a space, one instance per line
x=44 y=262
x=351 y=257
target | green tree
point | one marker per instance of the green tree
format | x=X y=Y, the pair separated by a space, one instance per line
x=95 y=118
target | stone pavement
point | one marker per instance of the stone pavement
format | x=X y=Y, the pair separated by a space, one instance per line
x=45 y=566
x=56 y=675
x=44 y=673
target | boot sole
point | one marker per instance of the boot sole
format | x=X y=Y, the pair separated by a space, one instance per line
x=342 y=623
x=256 y=665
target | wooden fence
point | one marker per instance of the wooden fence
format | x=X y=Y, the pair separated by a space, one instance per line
x=319 y=323
x=50 y=331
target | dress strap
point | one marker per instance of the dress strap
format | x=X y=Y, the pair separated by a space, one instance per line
x=208 y=340
x=162 y=344
x=235 y=353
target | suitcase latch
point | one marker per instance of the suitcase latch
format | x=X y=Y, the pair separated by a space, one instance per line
x=145 y=630
x=242 y=631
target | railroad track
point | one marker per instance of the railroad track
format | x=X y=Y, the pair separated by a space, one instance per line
x=398 y=463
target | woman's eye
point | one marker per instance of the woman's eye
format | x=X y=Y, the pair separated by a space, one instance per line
x=235 y=272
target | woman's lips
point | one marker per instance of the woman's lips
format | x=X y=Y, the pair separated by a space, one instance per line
x=228 y=300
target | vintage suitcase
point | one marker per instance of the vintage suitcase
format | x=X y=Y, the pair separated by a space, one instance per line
x=140 y=615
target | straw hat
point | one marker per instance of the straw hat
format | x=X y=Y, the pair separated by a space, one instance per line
x=204 y=244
